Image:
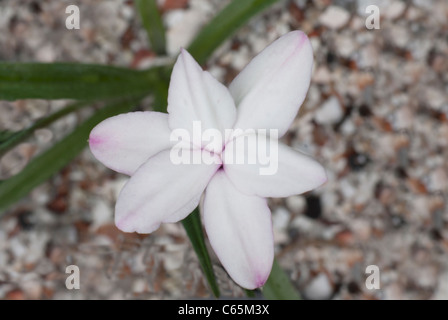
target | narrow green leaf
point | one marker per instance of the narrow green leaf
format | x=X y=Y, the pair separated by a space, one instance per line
x=278 y=286
x=72 y=81
x=152 y=21
x=231 y=18
x=193 y=226
x=58 y=156
x=15 y=138
x=5 y=135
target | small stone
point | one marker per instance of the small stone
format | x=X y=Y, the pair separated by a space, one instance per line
x=36 y=108
x=240 y=58
x=174 y=4
x=15 y=295
x=300 y=3
x=217 y=72
x=357 y=23
x=362 y=230
x=435 y=98
x=443 y=135
x=367 y=57
x=33 y=289
x=143 y=58
x=280 y=218
x=128 y=12
x=322 y=75
x=334 y=17
x=345 y=238
x=438 y=63
x=183 y=25
x=414 y=13
x=402 y=118
x=394 y=10
x=46 y=53
x=330 y=200
x=330 y=111
x=438 y=180
x=112 y=188
x=400 y=36
x=101 y=215
x=427 y=277
x=442 y=289
x=319 y=288
x=43 y=135
x=139 y=286
x=303 y=224
x=345 y=45
x=173 y=260
x=393 y=291
x=348 y=128
x=425 y=4
x=15 y=160
x=18 y=249
x=296 y=203
x=36 y=248
x=347 y=189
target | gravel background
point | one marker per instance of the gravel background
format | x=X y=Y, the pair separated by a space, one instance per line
x=376 y=116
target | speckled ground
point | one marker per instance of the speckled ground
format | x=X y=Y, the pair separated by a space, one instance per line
x=376 y=116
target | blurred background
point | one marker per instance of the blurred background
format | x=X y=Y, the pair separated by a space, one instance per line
x=376 y=117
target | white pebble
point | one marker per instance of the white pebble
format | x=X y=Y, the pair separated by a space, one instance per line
x=319 y=288
x=295 y=203
x=280 y=218
x=334 y=17
x=330 y=112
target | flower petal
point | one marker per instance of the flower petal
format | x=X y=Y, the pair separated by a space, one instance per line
x=124 y=142
x=194 y=95
x=270 y=89
x=239 y=228
x=161 y=191
x=276 y=171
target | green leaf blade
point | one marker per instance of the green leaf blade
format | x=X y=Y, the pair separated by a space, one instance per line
x=70 y=81
x=152 y=21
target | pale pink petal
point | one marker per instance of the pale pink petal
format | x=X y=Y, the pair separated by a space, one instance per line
x=161 y=191
x=239 y=228
x=194 y=95
x=124 y=142
x=278 y=171
x=270 y=89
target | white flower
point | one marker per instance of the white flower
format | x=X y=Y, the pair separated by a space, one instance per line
x=267 y=95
